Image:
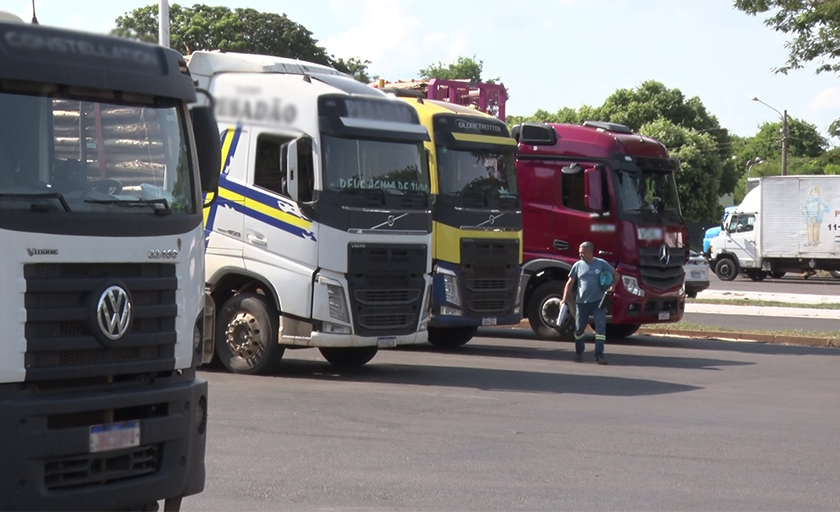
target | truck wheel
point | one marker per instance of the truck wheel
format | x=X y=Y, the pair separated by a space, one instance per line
x=621 y=331
x=348 y=357
x=543 y=309
x=834 y=274
x=450 y=338
x=247 y=330
x=726 y=269
x=756 y=275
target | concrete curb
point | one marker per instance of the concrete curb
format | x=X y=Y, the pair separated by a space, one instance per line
x=764 y=338
x=787 y=340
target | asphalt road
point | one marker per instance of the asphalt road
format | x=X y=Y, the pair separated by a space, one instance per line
x=513 y=424
x=790 y=284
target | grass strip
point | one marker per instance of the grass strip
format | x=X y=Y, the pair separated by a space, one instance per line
x=693 y=326
x=760 y=302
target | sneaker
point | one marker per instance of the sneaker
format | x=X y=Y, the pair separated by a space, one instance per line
x=601 y=361
x=579 y=358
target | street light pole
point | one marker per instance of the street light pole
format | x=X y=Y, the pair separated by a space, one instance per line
x=784 y=132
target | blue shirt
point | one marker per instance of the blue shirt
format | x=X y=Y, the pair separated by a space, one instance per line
x=587 y=277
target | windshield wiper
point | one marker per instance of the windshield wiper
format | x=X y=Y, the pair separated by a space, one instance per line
x=37 y=195
x=163 y=210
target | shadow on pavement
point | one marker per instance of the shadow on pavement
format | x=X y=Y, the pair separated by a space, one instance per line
x=676 y=342
x=481 y=379
x=565 y=353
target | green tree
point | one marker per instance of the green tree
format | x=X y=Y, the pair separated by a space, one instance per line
x=465 y=68
x=700 y=167
x=813 y=25
x=244 y=30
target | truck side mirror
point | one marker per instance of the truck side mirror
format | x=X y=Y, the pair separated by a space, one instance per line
x=209 y=148
x=293 y=178
x=593 y=192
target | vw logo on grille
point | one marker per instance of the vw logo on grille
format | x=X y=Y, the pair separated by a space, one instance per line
x=113 y=312
x=664 y=255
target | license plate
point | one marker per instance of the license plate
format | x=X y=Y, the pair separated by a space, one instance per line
x=488 y=321
x=386 y=342
x=664 y=316
x=697 y=274
x=117 y=435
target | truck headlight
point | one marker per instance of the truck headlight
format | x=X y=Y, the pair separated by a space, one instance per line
x=682 y=289
x=336 y=299
x=450 y=286
x=631 y=285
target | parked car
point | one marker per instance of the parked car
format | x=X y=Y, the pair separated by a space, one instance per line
x=696 y=274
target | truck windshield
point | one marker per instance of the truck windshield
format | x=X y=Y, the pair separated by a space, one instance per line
x=63 y=153
x=356 y=165
x=647 y=192
x=476 y=172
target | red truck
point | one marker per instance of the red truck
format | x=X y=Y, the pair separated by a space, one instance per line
x=600 y=182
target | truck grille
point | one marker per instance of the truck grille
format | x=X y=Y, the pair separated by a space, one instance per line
x=60 y=330
x=386 y=284
x=490 y=269
x=93 y=469
x=656 y=275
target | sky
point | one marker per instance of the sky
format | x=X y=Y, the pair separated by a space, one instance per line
x=549 y=53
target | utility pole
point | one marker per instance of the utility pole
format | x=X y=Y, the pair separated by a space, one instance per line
x=163 y=23
x=784 y=143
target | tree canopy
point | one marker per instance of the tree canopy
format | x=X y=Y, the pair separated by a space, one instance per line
x=813 y=25
x=467 y=68
x=244 y=30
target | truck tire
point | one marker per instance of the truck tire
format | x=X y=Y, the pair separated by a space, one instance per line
x=545 y=302
x=755 y=275
x=621 y=331
x=348 y=357
x=834 y=274
x=450 y=338
x=726 y=269
x=247 y=331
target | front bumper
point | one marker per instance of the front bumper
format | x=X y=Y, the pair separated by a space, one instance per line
x=696 y=286
x=650 y=309
x=47 y=464
x=321 y=339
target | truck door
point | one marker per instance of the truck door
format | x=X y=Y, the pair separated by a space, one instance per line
x=740 y=239
x=574 y=223
x=280 y=242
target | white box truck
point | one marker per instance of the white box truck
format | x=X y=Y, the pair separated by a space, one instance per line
x=784 y=224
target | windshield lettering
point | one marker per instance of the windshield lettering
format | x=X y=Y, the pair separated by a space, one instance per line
x=359 y=165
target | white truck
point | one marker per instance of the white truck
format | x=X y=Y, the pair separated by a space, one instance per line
x=784 y=224
x=322 y=232
x=102 y=245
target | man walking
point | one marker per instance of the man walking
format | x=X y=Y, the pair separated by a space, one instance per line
x=587 y=273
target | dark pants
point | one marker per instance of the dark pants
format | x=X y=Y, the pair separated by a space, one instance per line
x=582 y=313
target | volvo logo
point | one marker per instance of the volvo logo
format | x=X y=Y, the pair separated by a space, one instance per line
x=113 y=312
x=664 y=255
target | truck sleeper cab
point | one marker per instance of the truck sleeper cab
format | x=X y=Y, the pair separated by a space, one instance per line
x=103 y=272
x=321 y=235
x=601 y=183
x=477 y=222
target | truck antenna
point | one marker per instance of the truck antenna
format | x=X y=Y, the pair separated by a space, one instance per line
x=34 y=18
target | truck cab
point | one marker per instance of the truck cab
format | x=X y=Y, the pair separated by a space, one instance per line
x=102 y=169
x=600 y=182
x=322 y=232
x=477 y=212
